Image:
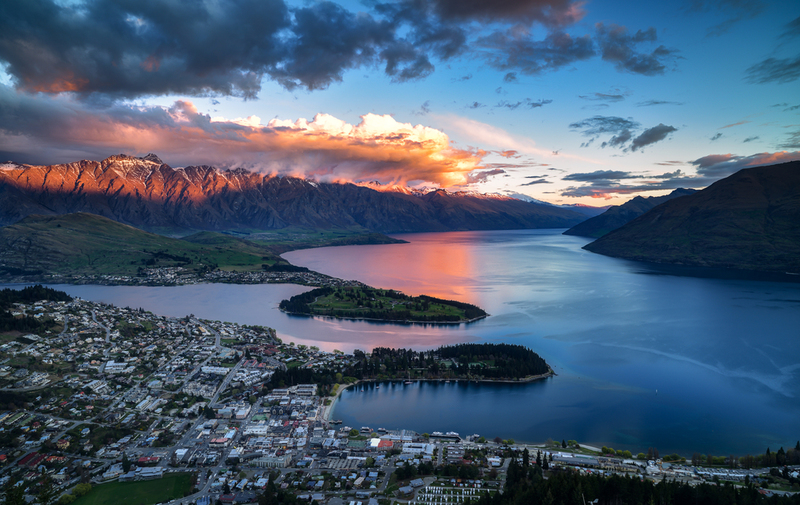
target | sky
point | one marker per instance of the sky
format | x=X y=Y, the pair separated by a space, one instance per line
x=569 y=102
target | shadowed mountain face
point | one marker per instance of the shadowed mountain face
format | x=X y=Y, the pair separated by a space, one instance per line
x=148 y=194
x=620 y=215
x=748 y=221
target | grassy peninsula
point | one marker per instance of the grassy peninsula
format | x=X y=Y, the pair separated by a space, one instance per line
x=363 y=302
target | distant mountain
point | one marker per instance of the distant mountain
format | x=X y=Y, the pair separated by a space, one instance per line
x=748 y=221
x=619 y=215
x=586 y=210
x=148 y=194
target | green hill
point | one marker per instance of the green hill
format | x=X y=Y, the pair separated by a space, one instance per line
x=747 y=221
x=74 y=244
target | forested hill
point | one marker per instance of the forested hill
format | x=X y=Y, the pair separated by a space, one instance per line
x=477 y=361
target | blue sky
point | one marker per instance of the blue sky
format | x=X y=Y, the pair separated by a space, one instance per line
x=568 y=102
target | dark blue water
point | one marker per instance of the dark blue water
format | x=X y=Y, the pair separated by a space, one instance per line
x=722 y=354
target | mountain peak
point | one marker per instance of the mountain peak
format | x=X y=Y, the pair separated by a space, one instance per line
x=154 y=158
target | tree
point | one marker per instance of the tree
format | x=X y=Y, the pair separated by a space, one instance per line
x=47 y=493
x=563 y=444
x=126 y=463
x=15 y=495
x=526 y=458
x=81 y=490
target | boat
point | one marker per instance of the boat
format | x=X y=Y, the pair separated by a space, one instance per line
x=408 y=382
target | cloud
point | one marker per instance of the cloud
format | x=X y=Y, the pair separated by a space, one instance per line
x=750 y=139
x=550 y=13
x=620 y=48
x=792 y=29
x=528 y=103
x=477 y=177
x=515 y=50
x=37 y=129
x=152 y=47
x=598 y=175
x=774 y=70
x=622 y=132
x=739 y=123
x=716 y=136
x=722 y=165
x=734 y=10
x=651 y=136
x=475 y=105
x=605 y=97
x=650 y=103
x=793 y=142
x=424 y=109
x=535 y=181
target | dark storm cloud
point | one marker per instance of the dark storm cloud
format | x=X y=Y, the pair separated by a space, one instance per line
x=775 y=70
x=621 y=48
x=651 y=136
x=133 y=48
x=511 y=51
x=622 y=132
x=550 y=13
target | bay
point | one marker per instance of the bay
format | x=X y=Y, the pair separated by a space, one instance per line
x=644 y=359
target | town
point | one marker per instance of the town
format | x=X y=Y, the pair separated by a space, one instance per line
x=198 y=411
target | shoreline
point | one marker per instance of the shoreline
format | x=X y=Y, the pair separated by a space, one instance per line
x=328 y=409
x=390 y=321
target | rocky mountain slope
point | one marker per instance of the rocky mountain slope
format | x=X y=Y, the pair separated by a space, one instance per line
x=148 y=194
x=748 y=221
x=619 y=215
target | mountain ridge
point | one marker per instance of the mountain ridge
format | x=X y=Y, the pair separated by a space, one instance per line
x=151 y=195
x=619 y=215
x=746 y=221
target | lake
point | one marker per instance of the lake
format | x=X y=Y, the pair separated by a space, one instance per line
x=644 y=359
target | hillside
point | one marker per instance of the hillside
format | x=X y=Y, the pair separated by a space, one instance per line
x=88 y=244
x=148 y=194
x=619 y=215
x=747 y=221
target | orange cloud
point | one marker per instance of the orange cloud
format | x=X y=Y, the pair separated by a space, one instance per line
x=377 y=148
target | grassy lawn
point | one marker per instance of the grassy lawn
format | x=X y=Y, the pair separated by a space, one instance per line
x=147 y=492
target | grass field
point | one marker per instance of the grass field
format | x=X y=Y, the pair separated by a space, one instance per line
x=90 y=244
x=358 y=302
x=172 y=486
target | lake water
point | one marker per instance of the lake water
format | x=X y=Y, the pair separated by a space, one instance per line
x=643 y=359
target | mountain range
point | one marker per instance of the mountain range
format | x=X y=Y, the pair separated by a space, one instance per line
x=747 y=221
x=151 y=195
x=619 y=215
